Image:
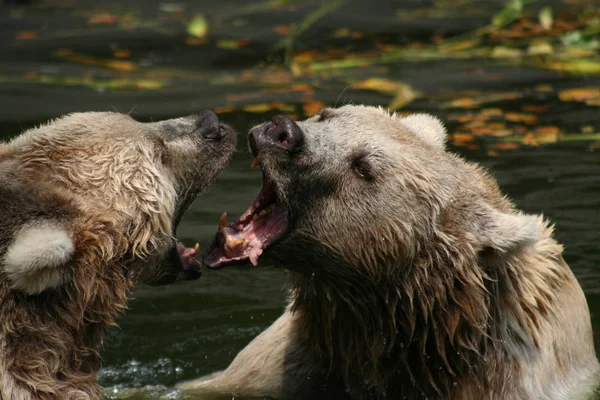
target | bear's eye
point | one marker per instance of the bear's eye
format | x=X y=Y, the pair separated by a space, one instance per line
x=325 y=115
x=361 y=167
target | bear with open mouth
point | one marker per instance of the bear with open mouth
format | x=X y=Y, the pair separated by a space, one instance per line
x=411 y=275
x=90 y=203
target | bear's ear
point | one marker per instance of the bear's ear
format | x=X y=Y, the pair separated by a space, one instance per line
x=35 y=260
x=428 y=128
x=507 y=233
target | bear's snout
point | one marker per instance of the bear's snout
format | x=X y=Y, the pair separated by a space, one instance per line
x=210 y=128
x=281 y=132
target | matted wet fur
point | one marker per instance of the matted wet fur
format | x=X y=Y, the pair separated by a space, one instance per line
x=89 y=205
x=411 y=277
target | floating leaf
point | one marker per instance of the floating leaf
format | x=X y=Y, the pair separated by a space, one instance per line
x=266 y=107
x=577 y=66
x=579 y=94
x=312 y=108
x=283 y=30
x=104 y=19
x=402 y=92
x=506 y=52
x=120 y=65
x=26 y=35
x=121 y=53
x=540 y=48
x=545 y=18
x=198 y=26
x=232 y=43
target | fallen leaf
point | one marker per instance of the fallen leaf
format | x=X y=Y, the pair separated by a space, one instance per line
x=545 y=18
x=121 y=53
x=506 y=52
x=312 y=108
x=224 y=109
x=104 y=19
x=402 y=92
x=198 y=26
x=283 y=30
x=232 y=43
x=462 y=138
x=26 y=35
x=506 y=146
x=579 y=94
x=194 y=41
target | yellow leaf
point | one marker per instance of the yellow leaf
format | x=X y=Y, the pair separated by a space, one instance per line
x=545 y=18
x=198 y=26
x=402 y=93
x=579 y=94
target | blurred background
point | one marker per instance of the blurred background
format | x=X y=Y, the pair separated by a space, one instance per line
x=517 y=83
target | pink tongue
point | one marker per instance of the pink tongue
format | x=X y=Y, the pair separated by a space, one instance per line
x=241 y=244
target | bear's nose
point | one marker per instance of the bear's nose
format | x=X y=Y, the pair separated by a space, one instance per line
x=209 y=126
x=281 y=132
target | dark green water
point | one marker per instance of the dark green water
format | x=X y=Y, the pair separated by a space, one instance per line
x=189 y=329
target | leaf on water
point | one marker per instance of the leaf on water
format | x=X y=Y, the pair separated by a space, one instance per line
x=266 y=107
x=534 y=108
x=579 y=94
x=539 y=48
x=194 y=41
x=545 y=18
x=506 y=145
x=149 y=84
x=402 y=92
x=121 y=53
x=224 y=109
x=342 y=33
x=506 y=52
x=26 y=35
x=99 y=84
x=576 y=66
x=63 y=52
x=311 y=108
x=198 y=26
x=120 y=65
x=461 y=138
x=282 y=30
x=521 y=117
x=232 y=43
x=473 y=102
x=104 y=18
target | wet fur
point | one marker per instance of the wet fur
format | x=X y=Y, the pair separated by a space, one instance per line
x=423 y=283
x=97 y=178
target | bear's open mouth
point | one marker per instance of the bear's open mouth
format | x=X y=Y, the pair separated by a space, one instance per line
x=185 y=257
x=260 y=226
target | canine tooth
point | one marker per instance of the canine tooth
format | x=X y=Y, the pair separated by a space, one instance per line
x=235 y=243
x=197 y=247
x=255 y=162
x=223 y=221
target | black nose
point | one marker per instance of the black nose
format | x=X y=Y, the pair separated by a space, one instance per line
x=209 y=126
x=282 y=132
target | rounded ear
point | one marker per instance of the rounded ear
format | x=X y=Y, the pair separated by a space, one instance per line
x=428 y=128
x=35 y=259
x=508 y=233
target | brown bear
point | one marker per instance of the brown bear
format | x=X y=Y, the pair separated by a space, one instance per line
x=89 y=204
x=412 y=276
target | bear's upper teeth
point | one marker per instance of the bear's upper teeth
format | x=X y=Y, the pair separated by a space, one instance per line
x=255 y=162
x=223 y=221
